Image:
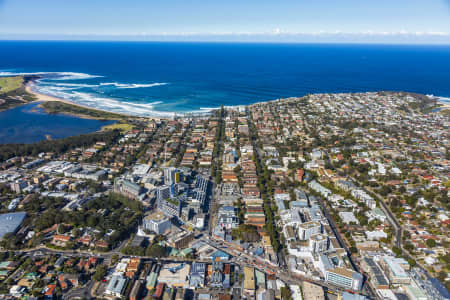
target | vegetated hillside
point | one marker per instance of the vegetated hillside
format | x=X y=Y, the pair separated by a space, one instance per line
x=65 y=108
x=8 y=84
x=13 y=92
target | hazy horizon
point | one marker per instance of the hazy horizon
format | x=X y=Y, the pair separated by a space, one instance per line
x=348 y=21
x=233 y=39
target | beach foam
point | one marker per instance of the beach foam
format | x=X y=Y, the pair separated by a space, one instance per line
x=133 y=85
x=92 y=94
x=74 y=76
x=203 y=109
x=53 y=75
x=445 y=100
x=108 y=104
x=105 y=84
x=49 y=84
x=61 y=88
x=71 y=85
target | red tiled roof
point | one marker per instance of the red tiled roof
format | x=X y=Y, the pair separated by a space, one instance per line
x=50 y=290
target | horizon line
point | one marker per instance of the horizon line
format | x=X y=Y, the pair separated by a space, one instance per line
x=237 y=41
x=401 y=37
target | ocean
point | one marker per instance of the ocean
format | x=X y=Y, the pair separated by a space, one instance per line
x=162 y=78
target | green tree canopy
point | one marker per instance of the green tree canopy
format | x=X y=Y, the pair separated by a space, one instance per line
x=431 y=243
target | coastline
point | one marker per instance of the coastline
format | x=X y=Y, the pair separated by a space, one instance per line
x=47 y=98
x=152 y=116
x=444 y=104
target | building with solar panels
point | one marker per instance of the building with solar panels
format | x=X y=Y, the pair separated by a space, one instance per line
x=127 y=188
x=197 y=275
x=395 y=269
x=199 y=193
x=377 y=278
x=10 y=223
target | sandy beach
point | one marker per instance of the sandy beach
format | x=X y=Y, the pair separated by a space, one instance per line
x=42 y=97
x=444 y=105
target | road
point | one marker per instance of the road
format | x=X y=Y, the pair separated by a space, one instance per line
x=241 y=258
x=212 y=206
x=343 y=244
x=392 y=219
x=287 y=276
x=336 y=232
x=246 y=259
x=83 y=292
x=106 y=255
x=398 y=232
x=397 y=227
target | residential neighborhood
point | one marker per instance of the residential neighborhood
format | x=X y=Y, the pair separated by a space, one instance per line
x=327 y=196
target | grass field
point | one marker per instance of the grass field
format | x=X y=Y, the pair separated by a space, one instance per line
x=8 y=84
x=121 y=126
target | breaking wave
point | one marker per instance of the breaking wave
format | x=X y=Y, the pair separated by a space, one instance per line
x=73 y=85
x=445 y=100
x=53 y=75
x=105 y=84
x=132 y=85
x=91 y=94
x=103 y=103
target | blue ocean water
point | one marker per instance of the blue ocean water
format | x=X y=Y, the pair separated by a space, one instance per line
x=148 y=78
x=29 y=124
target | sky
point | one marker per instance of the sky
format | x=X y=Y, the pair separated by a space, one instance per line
x=378 y=21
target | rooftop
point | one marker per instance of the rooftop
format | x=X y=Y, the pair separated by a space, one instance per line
x=10 y=222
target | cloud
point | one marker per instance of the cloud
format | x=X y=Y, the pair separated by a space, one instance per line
x=280 y=32
x=274 y=35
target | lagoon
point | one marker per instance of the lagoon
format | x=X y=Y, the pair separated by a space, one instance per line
x=29 y=124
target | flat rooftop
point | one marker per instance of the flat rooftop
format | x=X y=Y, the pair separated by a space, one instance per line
x=156 y=216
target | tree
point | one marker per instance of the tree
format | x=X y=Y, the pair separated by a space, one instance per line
x=100 y=273
x=384 y=240
x=247 y=233
x=411 y=262
x=58 y=146
x=285 y=293
x=130 y=250
x=155 y=250
x=446 y=258
x=76 y=232
x=409 y=246
x=397 y=251
x=442 y=275
x=114 y=259
x=431 y=243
